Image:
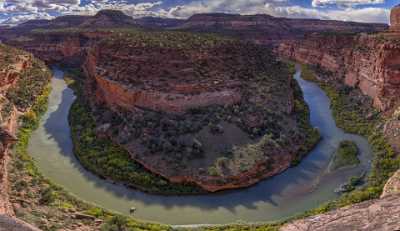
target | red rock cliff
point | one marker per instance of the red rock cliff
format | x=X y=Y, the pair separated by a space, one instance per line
x=18 y=71
x=369 y=62
x=395 y=19
x=9 y=75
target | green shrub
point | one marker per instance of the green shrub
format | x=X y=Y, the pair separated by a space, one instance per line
x=345 y=155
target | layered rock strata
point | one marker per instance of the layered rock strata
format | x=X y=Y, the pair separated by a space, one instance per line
x=395 y=19
x=369 y=62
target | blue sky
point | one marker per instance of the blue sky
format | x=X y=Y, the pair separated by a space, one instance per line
x=16 y=11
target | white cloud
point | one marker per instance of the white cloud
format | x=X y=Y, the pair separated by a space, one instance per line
x=21 y=10
x=281 y=9
x=22 y=18
x=317 y=3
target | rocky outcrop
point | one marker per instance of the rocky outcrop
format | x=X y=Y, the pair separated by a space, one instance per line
x=11 y=224
x=369 y=62
x=395 y=19
x=380 y=214
x=119 y=95
x=392 y=187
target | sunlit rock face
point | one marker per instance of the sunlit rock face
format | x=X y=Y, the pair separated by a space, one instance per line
x=395 y=19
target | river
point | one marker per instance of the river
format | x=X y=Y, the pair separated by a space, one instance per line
x=298 y=189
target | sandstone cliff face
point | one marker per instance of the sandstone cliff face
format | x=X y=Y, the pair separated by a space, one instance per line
x=395 y=19
x=59 y=47
x=369 y=62
x=148 y=88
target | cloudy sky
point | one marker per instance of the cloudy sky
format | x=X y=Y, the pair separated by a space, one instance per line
x=16 y=11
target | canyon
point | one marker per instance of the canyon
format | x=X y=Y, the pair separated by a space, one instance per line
x=161 y=93
x=369 y=62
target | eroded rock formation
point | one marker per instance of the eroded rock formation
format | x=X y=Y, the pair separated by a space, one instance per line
x=395 y=19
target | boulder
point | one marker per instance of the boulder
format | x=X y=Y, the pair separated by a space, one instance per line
x=392 y=186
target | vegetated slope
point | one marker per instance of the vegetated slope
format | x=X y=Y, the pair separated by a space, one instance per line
x=22 y=80
x=196 y=108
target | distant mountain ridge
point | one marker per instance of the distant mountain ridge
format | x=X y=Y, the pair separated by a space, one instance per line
x=210 y=22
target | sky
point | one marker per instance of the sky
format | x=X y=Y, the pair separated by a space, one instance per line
x=16 y=11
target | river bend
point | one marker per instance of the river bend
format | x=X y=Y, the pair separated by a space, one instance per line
x=294 y=191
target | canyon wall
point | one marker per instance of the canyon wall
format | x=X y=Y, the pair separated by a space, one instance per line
x=18 y=71
x=369 y=62
x=9 y=75
x=146 y=88
x=59 y=47
x=395 y=19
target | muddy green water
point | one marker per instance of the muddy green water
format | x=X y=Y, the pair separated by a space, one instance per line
x=294 y=191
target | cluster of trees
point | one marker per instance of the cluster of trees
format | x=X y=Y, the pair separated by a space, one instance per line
x=346 y=155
